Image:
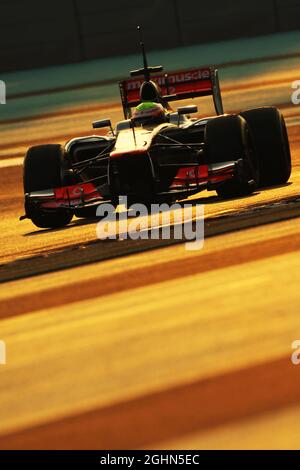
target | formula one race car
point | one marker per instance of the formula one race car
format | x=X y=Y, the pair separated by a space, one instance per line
x=157 y=154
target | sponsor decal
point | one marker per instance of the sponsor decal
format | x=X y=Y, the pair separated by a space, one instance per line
x=174 y=79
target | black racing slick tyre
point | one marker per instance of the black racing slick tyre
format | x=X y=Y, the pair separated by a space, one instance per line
x=271 y=141
x=44 y=169
x=227 y=138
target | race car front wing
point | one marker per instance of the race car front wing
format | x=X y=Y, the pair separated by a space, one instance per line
x=189 y=178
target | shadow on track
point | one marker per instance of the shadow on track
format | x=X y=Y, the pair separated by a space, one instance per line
x=94 y=219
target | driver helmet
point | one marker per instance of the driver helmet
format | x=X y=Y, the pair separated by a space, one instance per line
x=149 y=113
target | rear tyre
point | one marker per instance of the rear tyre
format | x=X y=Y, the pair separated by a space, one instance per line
x=271 y=142
x=227 y=138
x=44 y=169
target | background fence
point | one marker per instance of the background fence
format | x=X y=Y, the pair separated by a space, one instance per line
x=35 y=33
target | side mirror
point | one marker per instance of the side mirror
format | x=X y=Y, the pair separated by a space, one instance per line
x=103 y=123
x=187 y=110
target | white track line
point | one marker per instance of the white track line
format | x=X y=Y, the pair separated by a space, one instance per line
x=11 y=162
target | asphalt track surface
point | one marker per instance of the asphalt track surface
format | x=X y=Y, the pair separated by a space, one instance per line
x=141 y=346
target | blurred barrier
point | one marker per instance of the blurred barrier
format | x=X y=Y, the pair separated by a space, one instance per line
x=35 y=34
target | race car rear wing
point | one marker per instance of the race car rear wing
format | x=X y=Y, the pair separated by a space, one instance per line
x=175 y=86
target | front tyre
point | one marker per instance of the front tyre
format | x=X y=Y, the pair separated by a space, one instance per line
x=43 y=169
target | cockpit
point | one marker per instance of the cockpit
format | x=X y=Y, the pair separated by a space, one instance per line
x=149 y=113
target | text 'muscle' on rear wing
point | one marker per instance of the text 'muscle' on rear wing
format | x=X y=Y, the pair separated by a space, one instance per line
x=175 y=86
